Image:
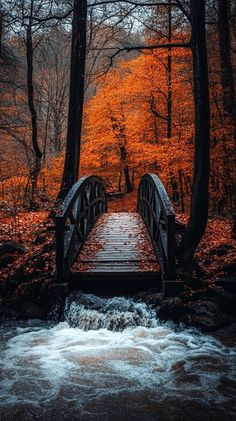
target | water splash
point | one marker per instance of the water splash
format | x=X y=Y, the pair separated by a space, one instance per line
x=154 y=371
x=89 y=312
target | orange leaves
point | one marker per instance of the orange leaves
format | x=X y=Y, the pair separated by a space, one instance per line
x=52 y=173
x=127 y=203
x=24 y=229
x=217 y=248
x=129 y=93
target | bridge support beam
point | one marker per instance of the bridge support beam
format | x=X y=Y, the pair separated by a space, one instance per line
x=172 y=288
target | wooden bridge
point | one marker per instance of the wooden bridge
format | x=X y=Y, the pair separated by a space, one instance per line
x=97 y=251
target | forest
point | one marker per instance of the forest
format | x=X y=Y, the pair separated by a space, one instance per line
x=118 y=123
x=133 y=97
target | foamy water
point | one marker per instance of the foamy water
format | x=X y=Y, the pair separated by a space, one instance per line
x=152 y=371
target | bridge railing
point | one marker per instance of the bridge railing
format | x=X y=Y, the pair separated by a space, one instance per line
x=157 y=212
x=84 y=203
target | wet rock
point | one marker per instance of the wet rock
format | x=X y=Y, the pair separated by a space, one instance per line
x=225 y=300
x=29 y=309
x=6 y=309
x=206 y=315
x=188 y=279
x=227 y=335
x=8 y=247
x=94 y=302
x=230 y=268
x=4 y=288
x=151 y=297
x=31 y=300
x=5 y=261
x=88 y=311
x=206 y=309
x=229 y=284
x=195 y=283
x=172 y=309
x=6 y=250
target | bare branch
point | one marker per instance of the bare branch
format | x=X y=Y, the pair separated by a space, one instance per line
x=133 y=3
x=182 y=8
x=144 y=47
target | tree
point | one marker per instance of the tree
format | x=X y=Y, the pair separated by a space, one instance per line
x=137 y=81
x=118 y=127
x=76 y=96
x=225 y=60
x=52 y=75
x=200 y=187
x=36 y=166
x=227 y=78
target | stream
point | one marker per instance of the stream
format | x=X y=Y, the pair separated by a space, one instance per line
x=112 y=359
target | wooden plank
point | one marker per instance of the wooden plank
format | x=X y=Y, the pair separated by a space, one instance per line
x=119 y=276
x=118 y=243
x=111 y=259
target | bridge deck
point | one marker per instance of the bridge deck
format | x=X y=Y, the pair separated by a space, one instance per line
x=118 y=248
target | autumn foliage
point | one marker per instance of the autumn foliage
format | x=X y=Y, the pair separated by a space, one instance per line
x=126 y=130
x=129 y=111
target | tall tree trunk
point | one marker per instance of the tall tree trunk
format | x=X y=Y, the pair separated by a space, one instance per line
x=123 y=156
x=57 y=133
x=119 y=181
x=36 y=166
x=181 y=191
x=154 y=115
x=76 y=97
x=169 y=76
x=200 y=188
x=227 y=80
x=174 y=186
x=128 y=183
x=119 y=131
x=225 y=59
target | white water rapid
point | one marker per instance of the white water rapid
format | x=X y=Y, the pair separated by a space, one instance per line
x=112 y=360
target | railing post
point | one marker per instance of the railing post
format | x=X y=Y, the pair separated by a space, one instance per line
x=60 y=264
x=104 y=205
x=171 y=247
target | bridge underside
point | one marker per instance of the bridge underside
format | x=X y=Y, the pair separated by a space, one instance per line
x=117 y=256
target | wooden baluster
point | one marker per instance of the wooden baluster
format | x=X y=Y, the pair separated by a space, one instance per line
x=60 y=262
x=171 y=247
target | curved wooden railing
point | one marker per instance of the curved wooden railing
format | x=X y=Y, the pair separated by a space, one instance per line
x=156 y=210
x=84 y=203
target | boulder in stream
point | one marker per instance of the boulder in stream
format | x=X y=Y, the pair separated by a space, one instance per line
x=206 y=315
